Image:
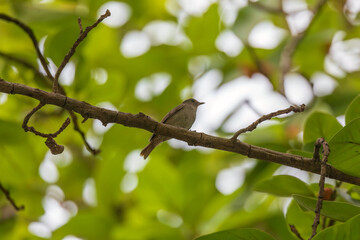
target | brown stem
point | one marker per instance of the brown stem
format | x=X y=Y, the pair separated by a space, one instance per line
x=73 y=48
x=291 y=46
x=200 y=139
x=326 y=152
x=9 y=198
x=252 y=126
x=33 y=130
x=31 y=34
x=295 y=231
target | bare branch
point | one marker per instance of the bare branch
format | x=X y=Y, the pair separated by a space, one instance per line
x=295 y=231
x=61 y=90
x=326 y=152
x=252 y=126
x=25 y=64
x=82 y=134
x=33 y=130
x=31 y=34
x=73 y=48
x=8 y=197
x=290 y=47
x=80 y=25
x=257 y=61
x=198 y=139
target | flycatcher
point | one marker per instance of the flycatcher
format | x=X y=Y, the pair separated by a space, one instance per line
x=182 y=116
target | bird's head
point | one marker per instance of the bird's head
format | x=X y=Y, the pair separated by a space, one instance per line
x=193 y=102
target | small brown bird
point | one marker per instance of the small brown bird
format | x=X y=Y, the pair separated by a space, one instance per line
x=181 y=116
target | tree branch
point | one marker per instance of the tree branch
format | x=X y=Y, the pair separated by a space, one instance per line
x=252 y=126
x=326 y=151
x=31 y=34
x=142 y=121
x=47 y=80
x=295 y=231
x=9 y=198
x=290 y=47
x=25 y=64
x=73 y=48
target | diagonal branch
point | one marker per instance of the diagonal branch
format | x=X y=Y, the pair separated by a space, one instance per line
x=290 y=47
x=9 y=198
x=195 y=138
x=25 y=64
x=295 y=231
x=73 y=48
x=31 y=34
x=252 y=126
x=93 y=151
x=61 y=90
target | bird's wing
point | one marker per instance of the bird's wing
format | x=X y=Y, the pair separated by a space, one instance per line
x=172 y=112
x=167 y=116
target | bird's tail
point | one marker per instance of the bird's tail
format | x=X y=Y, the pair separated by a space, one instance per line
x=147 y=150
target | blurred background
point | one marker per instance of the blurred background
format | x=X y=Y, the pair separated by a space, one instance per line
x=243 y=58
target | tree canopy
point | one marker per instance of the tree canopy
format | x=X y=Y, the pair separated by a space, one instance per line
x=88 y=81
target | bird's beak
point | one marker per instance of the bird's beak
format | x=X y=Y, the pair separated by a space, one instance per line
x=201 y=103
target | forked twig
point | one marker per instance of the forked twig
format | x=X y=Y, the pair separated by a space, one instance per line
x=73 y=48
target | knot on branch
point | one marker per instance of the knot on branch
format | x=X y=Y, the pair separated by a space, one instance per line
x=297 y=109
x=53 y=146
x=50 y=142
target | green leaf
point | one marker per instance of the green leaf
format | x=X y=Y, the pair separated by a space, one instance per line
x=353 y=110
x=284 y=186
x=347 y=230
x=320 y=124
x=237 y=234
x=345 y=148
x=339 y=211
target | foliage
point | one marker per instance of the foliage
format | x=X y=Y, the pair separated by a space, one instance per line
x=175 y=194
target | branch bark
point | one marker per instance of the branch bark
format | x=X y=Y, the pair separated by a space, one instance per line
x=142 y=121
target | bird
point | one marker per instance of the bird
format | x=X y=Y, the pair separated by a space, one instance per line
x=182 y=116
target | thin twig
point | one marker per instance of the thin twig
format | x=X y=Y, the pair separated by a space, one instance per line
x=326 y=152
x=31 y=34
x=27 y=65
x=252 y=126
x=295 y=231
x=290 y=48
x=82 y=134
x=61 y=90
x=73 y=48
x=33 y=130
x=257 y=61
x=9 y=198
x=80 y=25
